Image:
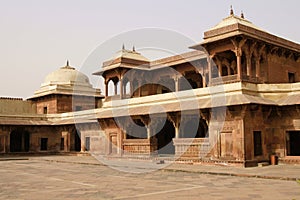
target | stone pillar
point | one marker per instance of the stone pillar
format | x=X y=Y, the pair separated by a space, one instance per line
x=176 y=131
x=139 y=89
x=249 y=65
x=209 y=70
x=124 y=89
x=228 y=70
x=220 y=70
x=121 y=88
x=148 y=131
x=82 y=138
x=203 y=81
x=120 y=143
x=239 y=63
x=176 y=80
x=257 y=66
x=106 y=88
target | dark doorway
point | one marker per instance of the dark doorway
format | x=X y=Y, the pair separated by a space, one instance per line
x=165 y=139
x=136 y=130
x=62 y=144
x=292 y=78
x=19 y=141
x=293 y=143
x=194 y=128
x=77 y=141
x=44 y=144
x=257 y=143
x=87 y=143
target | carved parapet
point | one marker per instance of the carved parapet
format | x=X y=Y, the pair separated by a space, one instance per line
x=136 y=147
x=191 y=147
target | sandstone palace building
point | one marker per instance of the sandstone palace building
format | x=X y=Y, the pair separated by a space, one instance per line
x=233 y=98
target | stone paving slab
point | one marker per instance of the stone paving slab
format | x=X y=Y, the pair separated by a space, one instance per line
x=288 y=172
x=69 y=178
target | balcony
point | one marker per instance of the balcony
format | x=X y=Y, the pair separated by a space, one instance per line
x=233 y=79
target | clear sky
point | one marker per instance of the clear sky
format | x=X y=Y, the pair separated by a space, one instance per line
x=37 y=37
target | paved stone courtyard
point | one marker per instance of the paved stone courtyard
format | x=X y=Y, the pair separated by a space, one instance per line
x=42 y=179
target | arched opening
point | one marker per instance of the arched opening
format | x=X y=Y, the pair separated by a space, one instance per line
x=244 y=64
x=19 y=141
x=165 y=139
x=111 y=88
x=224 y=70
x=127 y=88
x=118 y=89
x=135 y=88
x=136 y=130
x=77 y=141
x=165 y=85
x=191 y=80
x=253 y=66
x=194 y=128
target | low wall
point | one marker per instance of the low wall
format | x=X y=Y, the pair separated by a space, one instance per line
x=191 y=147
x=140 y=146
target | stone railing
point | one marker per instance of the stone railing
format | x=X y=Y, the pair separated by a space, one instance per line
x=140 y=146
x=234 y=78
x=249 y=79
x=224 y=80
x=191 y=147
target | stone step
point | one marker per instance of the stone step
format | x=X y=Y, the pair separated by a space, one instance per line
x=263 y=164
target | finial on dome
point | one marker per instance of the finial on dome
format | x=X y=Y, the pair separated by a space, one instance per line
x=231 y=10
x=242 y=15
x=67 y=63
x=123 y=47
x=133 y=48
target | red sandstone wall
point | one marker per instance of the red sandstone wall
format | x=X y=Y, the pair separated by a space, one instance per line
x=278 y=68
x=66 y=103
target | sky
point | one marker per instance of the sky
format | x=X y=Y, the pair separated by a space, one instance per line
x=38 y=37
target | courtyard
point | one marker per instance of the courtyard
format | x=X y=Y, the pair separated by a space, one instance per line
x=83 y=177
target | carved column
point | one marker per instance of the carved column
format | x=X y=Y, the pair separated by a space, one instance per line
x=249 y=57
x=174 y=118
x=257 y=66
x=239 y=63
x=176 y=80
x=209 y=70
x=148 y=131
x=139 y=89
x=121 y=87
x=220 y=70
x=106 y=88
x=228 y=70
x=238 y=52
x=203 y=78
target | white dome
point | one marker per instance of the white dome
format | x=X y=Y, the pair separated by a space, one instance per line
x=66 y=76
x=67 y=80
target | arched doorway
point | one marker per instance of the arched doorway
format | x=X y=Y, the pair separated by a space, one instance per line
x=195 y=128
x=77 y=142
x=136 y=130
x=190 y=80
x=19 y=141
x=165 y=139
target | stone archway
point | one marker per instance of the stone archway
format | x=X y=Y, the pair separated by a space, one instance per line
x=76 y=141
x=165 y=139
x=19 y=141
x=195 y=128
